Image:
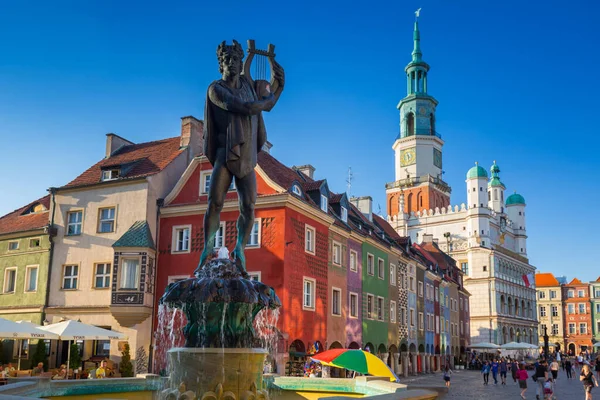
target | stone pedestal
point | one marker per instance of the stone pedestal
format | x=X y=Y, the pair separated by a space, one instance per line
x=203 y=369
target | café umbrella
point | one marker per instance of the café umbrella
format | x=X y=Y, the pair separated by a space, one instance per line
x=74 y=330
x=355 y=360
x=23 y=330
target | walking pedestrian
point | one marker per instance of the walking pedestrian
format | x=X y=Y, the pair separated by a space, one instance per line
x=514 y=368
x=554 y=369
x=541 y=375
x=485 y=370
x=495 y=371
x=447 y=373
x=569 y=368
x=598 y=367
x=522 y=375
x=503 y=370
x=589 y=380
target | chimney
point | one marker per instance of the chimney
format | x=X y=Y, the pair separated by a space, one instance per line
x=113 y=143
x=436 y=241
x=427 y=238
x=364 y=205
x=192 y=135
x=307 y=170
x=267 y=147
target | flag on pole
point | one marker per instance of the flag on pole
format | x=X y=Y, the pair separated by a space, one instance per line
x=528 y=280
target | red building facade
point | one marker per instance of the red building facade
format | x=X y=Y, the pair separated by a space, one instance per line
x=578 y=317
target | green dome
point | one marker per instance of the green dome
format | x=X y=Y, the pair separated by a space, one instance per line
x=514 y=199
x=477 y=172
x=495 y=181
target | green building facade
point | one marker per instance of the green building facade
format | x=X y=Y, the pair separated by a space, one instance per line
x=595 y=300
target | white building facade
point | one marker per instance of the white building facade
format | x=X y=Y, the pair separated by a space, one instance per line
x=486 y=236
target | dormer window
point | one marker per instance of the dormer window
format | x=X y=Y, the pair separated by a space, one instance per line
x=296 y=190
x=110 y=174
x=324 y=203
x=344 y=214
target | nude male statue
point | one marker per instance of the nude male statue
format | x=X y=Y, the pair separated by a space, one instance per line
x=234 y=133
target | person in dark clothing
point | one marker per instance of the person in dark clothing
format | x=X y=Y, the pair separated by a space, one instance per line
x=495 y=371
x=569 y=368
x=598 y=367
x=541 y=376
x=514 y=368
x=503 y=369
x=485 y=370
x=588 y=379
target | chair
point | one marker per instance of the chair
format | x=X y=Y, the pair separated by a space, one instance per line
x=23 y=373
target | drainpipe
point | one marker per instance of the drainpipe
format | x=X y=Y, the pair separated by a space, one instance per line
x=490 y=293
x=52 y=191
x=159 y=204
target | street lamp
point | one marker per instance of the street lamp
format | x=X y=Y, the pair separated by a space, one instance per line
x=546 y=338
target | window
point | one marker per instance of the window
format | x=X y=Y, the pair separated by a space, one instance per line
x=485 y=266
x=421 y=321
x=572 y=329
x=254 y=240
x=598 y=326
x=309 y=294
x=10 y=280
x=420 y=289
x=370 y=302
x=437 y=324
x=411 y=284
x=220 y=236
x=580 y=293
x=461 y=303
x=106 y=220
x=336 y=297
x=70 y=274
x=555 y=311
x=254 y=276
x=337 y=253
x=554 y=329
x=464 y=266
x=181 y=239
x=542 y=311
x=309 y=239
x=13 y=246
x=392 y=311
x=324 y=203
x=402 y=318
x=102 y=347
x=596 y=292
x=380 y=268
x=344 y=214
x=437 y=294
x=541 y=294
x=353 y=257
x=392 y=274
x=581 y=308
x=130 y=277
x=412 y=317
x=296 y=190
x=370 y=264
x=583 y=329
x=553 y=294
x=380 y=309
x=74 y=219
x=571 y=308
x=102 y=276
x=34 y=243
x=598 y=309
x=447 y=326
x=31 y=277
x=353 y=305
x=205 y=182
x=570 y=294
x=402 y=281
x=110 y=174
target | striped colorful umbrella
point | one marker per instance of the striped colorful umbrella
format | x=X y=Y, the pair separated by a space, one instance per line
x=355 y=360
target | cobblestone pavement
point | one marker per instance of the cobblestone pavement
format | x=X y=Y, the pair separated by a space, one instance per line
x=469 y=385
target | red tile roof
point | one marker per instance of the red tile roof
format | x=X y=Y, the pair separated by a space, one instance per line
x=314 y=185
x=17 y=222
x=546 y=279
x=386 y=227
x=575 y=281
x=278 y=172
x=147 y=158
x=335 y=198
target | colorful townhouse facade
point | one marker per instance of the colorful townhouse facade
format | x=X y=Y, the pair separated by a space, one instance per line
x=577 y=317
x=595 y=304
x=25 y=251
x=551 y=314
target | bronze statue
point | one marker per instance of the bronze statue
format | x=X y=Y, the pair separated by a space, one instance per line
x=234 y=133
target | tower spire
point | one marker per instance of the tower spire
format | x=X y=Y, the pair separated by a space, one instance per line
x=416 y=54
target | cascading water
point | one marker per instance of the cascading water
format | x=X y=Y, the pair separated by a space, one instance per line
x=214 y=331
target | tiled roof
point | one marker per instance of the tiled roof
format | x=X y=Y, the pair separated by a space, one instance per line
x=137 y=236
x=314 y=185
x=545 y=279
x=443 y=259
x=17 y=222
x=386 y=227
x=335 y=198
x=278 y=172
x=575 y=281
x=145 y=158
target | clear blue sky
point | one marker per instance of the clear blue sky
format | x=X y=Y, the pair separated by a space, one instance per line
x=517 y=82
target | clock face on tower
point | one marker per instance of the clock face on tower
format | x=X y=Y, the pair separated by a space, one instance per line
x=437 y=158
x=408 y=157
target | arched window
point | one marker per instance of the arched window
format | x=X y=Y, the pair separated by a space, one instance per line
x=517 y=307
x=502 y=195
x=510 y=303
x=523 y=309
x=412 y=82
x=410 y=202
x=432 y=124
x=530 y=313
x=410 y=124
x=489 y=195
x=502 y=304
x=495 y=194
x=419 y=201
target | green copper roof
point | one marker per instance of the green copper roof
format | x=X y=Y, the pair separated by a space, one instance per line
x=515 y=198
x=477 y=172
x=137 y=236
x=416 y=54
x=495 y=181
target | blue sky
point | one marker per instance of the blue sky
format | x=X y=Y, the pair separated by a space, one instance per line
x=517 y=82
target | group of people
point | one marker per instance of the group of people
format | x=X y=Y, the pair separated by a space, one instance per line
x=545 y=374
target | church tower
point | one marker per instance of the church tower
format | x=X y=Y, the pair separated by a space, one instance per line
x=418 y=147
